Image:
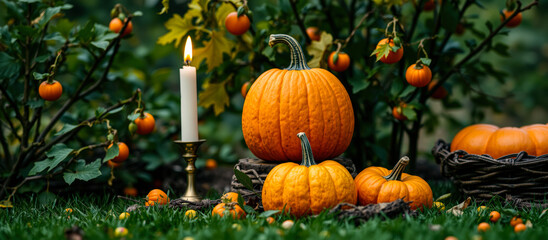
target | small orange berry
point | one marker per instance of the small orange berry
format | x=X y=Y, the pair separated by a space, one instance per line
x=483 y=227
x=515 y=221
x=520 y=227
x=270 y=220
x=494 y=216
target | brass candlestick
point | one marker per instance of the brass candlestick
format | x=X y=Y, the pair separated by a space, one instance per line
x=189 y=154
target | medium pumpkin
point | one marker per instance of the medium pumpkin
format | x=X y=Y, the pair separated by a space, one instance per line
x=231 y=208
x=378 y=185
x=308 y=188
x=418 y=75
x=342 y=63
x=497 y=142
x=282 y=103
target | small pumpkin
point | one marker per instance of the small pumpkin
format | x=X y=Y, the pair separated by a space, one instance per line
x=157 y=196
x=237 y=25
x=516 y=21
x=313 y=33
x=440 y=92
x=123 y=152
x=145 y=124
x=397 y=112
x=307 y=188
x=392 y=57
x=230 y=197
x=342 y=63
x=497 y=142
x=50 y=90
x=231 y=208
x=418 y=75
x=378 y=185
x=282 y=103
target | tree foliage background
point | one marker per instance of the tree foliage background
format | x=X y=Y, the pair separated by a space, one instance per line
x=505 y=85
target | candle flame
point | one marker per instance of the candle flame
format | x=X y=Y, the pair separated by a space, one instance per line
x=188 y=51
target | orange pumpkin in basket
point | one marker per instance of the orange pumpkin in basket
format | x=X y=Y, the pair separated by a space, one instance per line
x=497 y=142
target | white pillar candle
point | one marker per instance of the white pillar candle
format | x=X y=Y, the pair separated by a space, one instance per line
x=189 y=98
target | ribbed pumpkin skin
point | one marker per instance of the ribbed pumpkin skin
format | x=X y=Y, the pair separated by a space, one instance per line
x=418 y=77
x=282 y=103
x=307 y=190
x=236 y=212
x=374 y=188
x=539 y=134
x=497 y=142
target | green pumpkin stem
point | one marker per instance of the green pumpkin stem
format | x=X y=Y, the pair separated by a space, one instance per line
x=398 y=169
x=298 y=61
x=308 y=158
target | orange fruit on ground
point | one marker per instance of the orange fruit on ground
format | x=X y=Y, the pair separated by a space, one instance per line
x=516 y=21
x=130 y=191
x=483 y=227
x=451 y=238
x=515 y=221
x=50 y=91
x=232 y=209
x=211 y=163
x=392 y=57
x=343 y=62
x=145 y=124
x=123 y=152
x=520 y=227
x=237 y=25
x=270 y=220
x=245 y=88
x=397 y=112
x=494 y=216
x=313 y=33
x=157 y=196
x=116 y=25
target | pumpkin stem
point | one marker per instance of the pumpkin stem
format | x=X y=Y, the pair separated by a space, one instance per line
x=397 y=171
x=308 y=158
x=298 y=61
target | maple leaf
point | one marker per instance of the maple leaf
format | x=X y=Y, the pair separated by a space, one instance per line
x=221 y=14
x=384 y=50
x=318 y=50
x=214 y=94
x=212 y=51
x=178 y=27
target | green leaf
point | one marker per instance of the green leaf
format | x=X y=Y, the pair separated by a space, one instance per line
x=46 y=198
x=66 y=128
x=87 y=33
x=358 y=84
x=249 y=209
x=501 y=49
x=56 y=155
x=268 y=213
x=40 y=76
x=397 y=87
x=382 y=51
x=443 y=197
x=409 y=113
x=212 y=52
x=319 y=50
x=240 y=200
x=112 y=152
x=426 y=61
x=47 y=15
x=133 y=116
x=83 y=172
x=9 y=67
x=214 y=94
x=63 y=26
x=165 y=4
x=243 y=179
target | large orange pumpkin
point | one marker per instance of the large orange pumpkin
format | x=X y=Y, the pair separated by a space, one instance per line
x=497 y=142
x=307 y=188
x=282 y=103
x=378 y=185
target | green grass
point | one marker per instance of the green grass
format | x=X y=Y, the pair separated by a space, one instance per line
x=98 y=217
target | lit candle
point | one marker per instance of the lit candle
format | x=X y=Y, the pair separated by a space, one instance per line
x=189 y=99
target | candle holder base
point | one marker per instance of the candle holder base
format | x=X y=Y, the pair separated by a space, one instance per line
x=189 y=149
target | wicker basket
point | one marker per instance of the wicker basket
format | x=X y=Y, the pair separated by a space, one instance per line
x=517 y=176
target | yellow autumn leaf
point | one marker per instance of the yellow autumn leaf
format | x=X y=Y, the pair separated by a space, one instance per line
x=212 y=51
x=6 y=204
x=195 y=9
x=318 y=50
x=214 y=94
x=222 y=12
x=178 y=27
x=165 y=4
